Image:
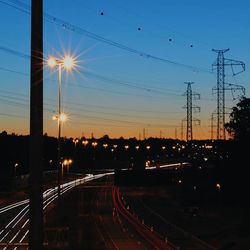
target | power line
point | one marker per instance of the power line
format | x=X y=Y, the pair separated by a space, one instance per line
x=77 y=115
x=95 y=76
x=166 y=26
x=80 y=85
x=14 y=52
x=13 y=115
x=84 y=32
x=94 y=106
x=124 y=83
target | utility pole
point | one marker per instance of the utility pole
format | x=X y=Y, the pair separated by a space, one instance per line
x=36 y=128
x=190 y=107
x=220 y=64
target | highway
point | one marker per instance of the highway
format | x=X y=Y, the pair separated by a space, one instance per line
x=166 y=218
x=153 y=238
x=14 y=234
x=106 y=229
x=95 y=212
x=176 y=166
x=98 y=219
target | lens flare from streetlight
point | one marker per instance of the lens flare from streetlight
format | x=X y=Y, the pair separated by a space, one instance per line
x=63 y=117
x=54 y=117
x=51 y=62
x=68 y=62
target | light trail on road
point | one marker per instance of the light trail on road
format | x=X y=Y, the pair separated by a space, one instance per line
x=152 y=237
x=175 y=166
x=16 y=230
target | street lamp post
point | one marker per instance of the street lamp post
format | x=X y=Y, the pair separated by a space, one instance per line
x=59 y=170
x=69 y=163
x=68 y=63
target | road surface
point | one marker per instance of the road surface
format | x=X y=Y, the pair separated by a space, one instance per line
x=14 y=217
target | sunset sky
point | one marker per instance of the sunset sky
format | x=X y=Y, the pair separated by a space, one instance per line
x=133 y=57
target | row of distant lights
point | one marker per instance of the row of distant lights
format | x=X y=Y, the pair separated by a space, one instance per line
x=178 y=147
x=105 y=145
x=217 y=185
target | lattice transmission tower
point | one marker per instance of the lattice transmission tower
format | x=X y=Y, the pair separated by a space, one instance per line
x=220 y=64
x=212 y=125
x=190 y=107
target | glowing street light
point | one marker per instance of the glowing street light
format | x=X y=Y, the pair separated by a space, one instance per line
x=66 y=163
x=51 y=62
x=76 y=141
x=67 y=63
x=63 y=117
x=85 y=142
x=15 y=167
x=218 y=186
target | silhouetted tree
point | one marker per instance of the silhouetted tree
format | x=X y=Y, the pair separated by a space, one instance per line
x=239 y=124
x=105 y=137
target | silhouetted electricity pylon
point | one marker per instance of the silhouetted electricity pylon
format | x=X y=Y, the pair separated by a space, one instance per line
x=220 y=64
x=182 y=128
x=213 y=116
x=190 y=107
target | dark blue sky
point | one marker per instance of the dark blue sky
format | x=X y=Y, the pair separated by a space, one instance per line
x=115 y=91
